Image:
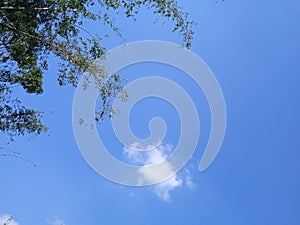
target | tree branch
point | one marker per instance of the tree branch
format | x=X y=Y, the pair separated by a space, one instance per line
x=14 y=154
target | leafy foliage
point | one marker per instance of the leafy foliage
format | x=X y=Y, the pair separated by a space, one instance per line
x=31 y=30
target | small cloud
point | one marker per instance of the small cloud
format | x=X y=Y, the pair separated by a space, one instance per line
x=56 y=221
x=6 y=219
x=188 y=180
x=162 y=190
x=155 y=155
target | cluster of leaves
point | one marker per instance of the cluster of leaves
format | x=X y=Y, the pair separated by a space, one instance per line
x=16 y=119
x=31 y=30
x=166 y=8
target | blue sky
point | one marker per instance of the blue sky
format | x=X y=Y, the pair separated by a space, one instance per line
x=253 y=48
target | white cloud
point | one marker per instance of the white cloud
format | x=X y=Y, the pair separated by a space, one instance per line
x=56 y=221
x=162 y=190
x=8 y=220
x=188 y=180
x=156 y=155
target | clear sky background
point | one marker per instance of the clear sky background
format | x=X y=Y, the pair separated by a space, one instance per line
x=253 y=47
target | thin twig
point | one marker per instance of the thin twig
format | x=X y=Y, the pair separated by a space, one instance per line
x=16 y=155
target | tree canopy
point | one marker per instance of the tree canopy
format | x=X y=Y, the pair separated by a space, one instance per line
x=32 y=30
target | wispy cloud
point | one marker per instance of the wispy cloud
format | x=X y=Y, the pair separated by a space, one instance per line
x=7 y=219
x=56 y=221
x=188 y=179
x=163 y=189
x=155 y=154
